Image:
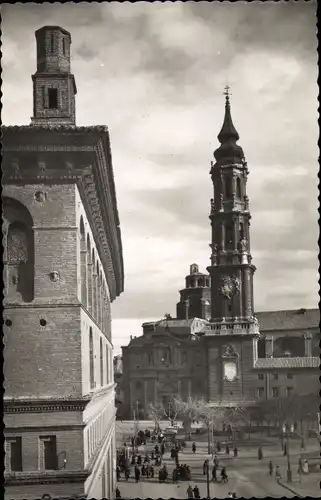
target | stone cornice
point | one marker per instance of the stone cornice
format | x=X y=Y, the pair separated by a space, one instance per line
x=86 y=160
x=33 y=405
x=46 y=477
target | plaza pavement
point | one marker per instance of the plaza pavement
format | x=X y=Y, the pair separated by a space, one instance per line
x=248 y=477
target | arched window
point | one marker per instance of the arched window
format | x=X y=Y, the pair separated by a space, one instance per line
x=238 y=188
x=94 y=285
x=229 y=237
x=101 y=363
x=91 y=359
x=64 y=46
x=228 y=188
x=89 y=277
x=83 y=263
x=18 y=251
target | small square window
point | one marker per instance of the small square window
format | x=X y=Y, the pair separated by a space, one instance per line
x=289 y=375
x=260 y=376
x=276 y=376
x=275 y=392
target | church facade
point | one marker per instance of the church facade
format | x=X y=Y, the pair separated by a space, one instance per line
x=218 y=348
x=63 y=267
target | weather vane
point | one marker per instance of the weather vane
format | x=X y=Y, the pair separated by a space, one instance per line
x=227 y=92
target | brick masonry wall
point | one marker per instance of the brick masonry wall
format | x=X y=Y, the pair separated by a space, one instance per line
x=66 y=98
x=69 y=441
x=42 y=361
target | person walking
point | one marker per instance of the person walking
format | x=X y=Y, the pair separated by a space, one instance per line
x=194 y=447
x=118 y=495
x=235 y=451
x=137 y=474
x=224 y=475
x=218 y=446
x=260 y=453
x=214 y=476
x=270 y=468
x=196 y=492
x=277 y=473
x=227 y=449
x=118 y=473
x=216 y=461
x=305 y=467
x=205 y=465
x=189 y=492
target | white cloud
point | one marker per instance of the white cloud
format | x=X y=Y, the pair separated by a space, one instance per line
x=154 y=73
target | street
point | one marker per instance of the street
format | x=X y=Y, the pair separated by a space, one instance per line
x=248 y=477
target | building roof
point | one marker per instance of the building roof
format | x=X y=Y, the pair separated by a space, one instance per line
x=288 y=320
x=95 y=140
x=295 y=362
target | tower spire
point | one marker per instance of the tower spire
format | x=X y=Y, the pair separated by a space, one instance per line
x=228 y=135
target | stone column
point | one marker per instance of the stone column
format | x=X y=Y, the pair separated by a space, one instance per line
x=222 y=236
x=307 y=344
x=269 y=346
x=234 y=235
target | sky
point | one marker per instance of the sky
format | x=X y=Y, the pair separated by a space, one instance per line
x=155 y=74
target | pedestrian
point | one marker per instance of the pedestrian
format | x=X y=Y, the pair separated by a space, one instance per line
x=118 y=495
x=224 y=475
x=189 y=492
x=205 y=466
x=270 y=468
x=227 y=449
x=216 y=461
x=235 y=451
x=188 y=473
x=260 y=453
x=194 y=447
x=277 y=473
x=127 y=473
x=305 y=467
x=118 y=473
x=218 y=446
x=234 y=495
x=196 y=492
x=214 y=476
x=175 y=476
x=137 y=473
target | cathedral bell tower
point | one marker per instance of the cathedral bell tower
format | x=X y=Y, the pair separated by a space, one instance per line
x=233 y=331
x=54 y=87
x=231 y=269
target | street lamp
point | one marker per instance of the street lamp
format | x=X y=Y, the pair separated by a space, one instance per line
x=208 y=477
x=288 y=472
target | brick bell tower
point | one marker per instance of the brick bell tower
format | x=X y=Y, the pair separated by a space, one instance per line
x=233 y=330
x=54 y=87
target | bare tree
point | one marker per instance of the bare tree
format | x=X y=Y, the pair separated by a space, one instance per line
x=212 y=416
x=235 y=416
x=171 y=410
x=189 y=411
x=155 y=412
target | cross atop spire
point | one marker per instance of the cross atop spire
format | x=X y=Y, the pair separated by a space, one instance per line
x=227 y=93
x=228 y=135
